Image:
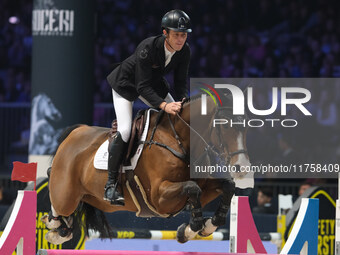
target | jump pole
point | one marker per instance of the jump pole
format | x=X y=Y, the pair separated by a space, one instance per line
x=171 y=235
x=98 y=252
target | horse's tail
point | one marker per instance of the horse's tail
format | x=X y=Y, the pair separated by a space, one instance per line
x=90 y=218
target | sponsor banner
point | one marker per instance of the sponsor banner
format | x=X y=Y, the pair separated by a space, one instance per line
x=62 y=70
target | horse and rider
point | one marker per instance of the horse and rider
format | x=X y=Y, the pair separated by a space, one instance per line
x=164 y=176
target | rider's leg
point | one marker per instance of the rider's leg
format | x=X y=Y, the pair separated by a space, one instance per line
x=117 y=147
x=123 y=110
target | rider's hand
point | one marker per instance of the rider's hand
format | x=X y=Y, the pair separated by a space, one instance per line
x=171 y=108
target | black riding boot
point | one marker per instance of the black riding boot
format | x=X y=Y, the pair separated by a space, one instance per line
x=116 y=150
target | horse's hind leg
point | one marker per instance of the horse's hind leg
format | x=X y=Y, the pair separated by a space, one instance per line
x=219 y=218
x=51 y=220
x=60 y=227
x=64 y=202
x=55 y=222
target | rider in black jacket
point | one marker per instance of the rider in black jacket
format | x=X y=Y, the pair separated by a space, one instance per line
x=142 y=76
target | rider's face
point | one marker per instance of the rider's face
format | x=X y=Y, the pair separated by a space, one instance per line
x=176 y=39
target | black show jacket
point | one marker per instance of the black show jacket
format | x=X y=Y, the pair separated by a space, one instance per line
x=143 y=72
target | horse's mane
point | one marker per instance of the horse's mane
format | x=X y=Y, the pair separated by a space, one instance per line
x=226 y=98
x=226 y=112
x=192 y=98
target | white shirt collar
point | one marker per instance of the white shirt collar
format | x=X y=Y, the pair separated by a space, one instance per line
x=168 y=55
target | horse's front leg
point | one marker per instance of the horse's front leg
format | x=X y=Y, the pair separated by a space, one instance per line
x=180 y=193
x=219 y=218
x=186 y=232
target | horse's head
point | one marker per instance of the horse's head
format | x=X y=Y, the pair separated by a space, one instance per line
x=45 y=108
x=229 y=135
x=225 y=143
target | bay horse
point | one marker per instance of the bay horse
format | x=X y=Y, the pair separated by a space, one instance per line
x=165 y=177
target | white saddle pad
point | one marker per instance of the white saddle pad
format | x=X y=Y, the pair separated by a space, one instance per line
x=102 y=154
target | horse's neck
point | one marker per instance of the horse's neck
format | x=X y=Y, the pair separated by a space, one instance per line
x=192 y=115
x=185 y=114
x=195 y=112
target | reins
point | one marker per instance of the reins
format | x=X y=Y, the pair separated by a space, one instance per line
x=209 y=151
x=184 y=155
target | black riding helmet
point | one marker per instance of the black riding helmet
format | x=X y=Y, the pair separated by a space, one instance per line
x=176 y=20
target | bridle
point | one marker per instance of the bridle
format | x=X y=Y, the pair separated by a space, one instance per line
x=209 y=152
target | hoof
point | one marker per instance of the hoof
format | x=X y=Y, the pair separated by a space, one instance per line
x=181 y=233
x=53 y=224
x=53 y=237
x=208 y=228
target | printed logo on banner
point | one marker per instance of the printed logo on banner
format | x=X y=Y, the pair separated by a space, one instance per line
x=48 y=20
x=43 y=136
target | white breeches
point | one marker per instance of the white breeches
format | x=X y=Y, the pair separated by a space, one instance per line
x=123 y=110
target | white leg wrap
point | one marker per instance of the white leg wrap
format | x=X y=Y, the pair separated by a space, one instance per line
x=52 y=224
x=209 y=228
x=53 y=237
x=189 y=234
